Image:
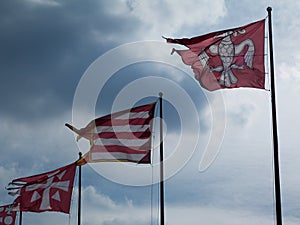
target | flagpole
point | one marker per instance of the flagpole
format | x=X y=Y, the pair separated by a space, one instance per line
x=162 y=208
x=20 y=217
x=79 y=192
x=274 y=122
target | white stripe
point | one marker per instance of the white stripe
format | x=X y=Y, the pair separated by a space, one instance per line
x=126 y=128
x=121 y=142
x=116 y=156
x=134 y=115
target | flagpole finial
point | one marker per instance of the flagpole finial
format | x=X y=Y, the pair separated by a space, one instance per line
x=269 y=9
x=160 y=94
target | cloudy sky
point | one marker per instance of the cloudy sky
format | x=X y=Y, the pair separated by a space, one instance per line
x=49 y=50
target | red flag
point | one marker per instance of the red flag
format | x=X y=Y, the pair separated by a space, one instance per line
x=227 y=59
x=50 y=191
x=121 y=136
x=7 y=215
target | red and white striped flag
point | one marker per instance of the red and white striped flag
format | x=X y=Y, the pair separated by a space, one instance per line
x=123 y=136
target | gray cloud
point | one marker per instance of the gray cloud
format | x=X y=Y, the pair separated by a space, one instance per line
x=47 y=45
x=46 y=49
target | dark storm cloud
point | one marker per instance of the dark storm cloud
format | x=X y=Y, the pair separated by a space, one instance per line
x=46 y=48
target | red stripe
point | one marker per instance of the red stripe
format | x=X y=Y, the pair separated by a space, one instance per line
x=121 y=122
x=106 y=120
x=114 y=148
x=119 y=135
x=124 y=135
x=146 y=108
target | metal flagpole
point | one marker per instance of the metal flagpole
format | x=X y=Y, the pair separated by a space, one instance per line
x=162 y=208
x=79 y=192
x=274 y=122
x=20 y=217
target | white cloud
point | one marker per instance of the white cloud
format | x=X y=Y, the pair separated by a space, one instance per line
x=208 y=12
x=99 y=209
x=156 y=18
x=177 y=13
x=45 y=2
x=288 y=73
x=211 y=215
x=92 y=199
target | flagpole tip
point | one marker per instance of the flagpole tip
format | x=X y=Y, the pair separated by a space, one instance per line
x=269 y=9
x=160 y=94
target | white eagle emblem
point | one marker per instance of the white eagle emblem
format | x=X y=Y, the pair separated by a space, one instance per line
x=227 y=50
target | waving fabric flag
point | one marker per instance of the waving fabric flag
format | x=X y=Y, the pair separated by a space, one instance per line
x=7 y=215
x=226 y=59
x=121 y=136
x=50 y=191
